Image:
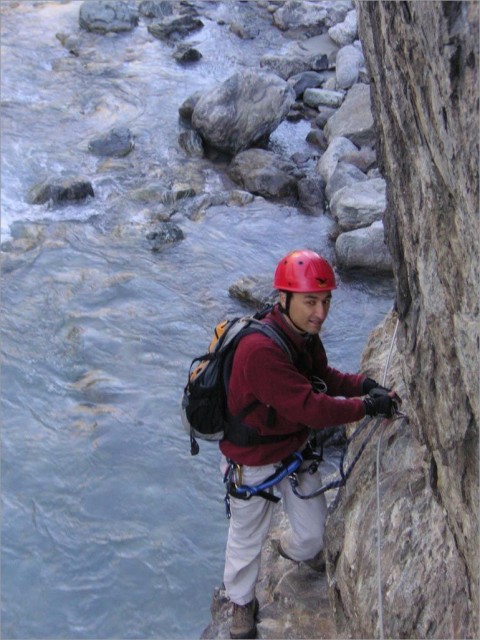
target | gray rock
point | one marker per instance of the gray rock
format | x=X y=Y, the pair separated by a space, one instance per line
x=360 y=204
x=316 y=137
x=321 y=43
x=245 y=29
x=164 y=233
x=312 y=17
x=345 y=174
x=365 y=159
x=264 y=173
x=60 y=191
x=288 y=65
x=324 y=113
x=349 y=62
x=311 y=195
x=337 y=148
x=117 y=143
x=345 y=32
x=186 y=53
x=243 y=110
x=354 y=119
x=305 y=80
x=104 y=16
x=176 y=27
x=364 y=249
x=186 y=108
x=155 y=8
x=323 y=97
x=254 y=290
x=191 y=143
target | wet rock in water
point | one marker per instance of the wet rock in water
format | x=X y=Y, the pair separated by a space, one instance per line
x=175 y=27
x=243 y=110
x=117 y=143
x=155 y=8
x=185 y=110
x=264 y=173
x=186 y=53
x=59 y=191
x=256 y=290
x=364 y=249
x=191 y=143
x=164 y=233
x=104 y=16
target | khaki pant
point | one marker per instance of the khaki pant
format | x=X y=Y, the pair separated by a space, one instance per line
x=250 y=523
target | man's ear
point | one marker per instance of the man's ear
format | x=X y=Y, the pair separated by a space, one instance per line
x=282 y=298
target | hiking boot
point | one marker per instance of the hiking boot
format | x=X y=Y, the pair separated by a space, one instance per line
x=243 y=622
x=317 y=563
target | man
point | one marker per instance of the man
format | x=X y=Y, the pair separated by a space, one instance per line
x=292 y=398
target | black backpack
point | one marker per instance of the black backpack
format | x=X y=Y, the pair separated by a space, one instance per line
x=204 y=403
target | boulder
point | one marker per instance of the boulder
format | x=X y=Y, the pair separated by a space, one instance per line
x=364 y=249
x=360 y=204
x=264 y=173
x=349 y=62
x=345 y=174
x=155 y=8
x=311 y=195
x=176 y=27
x=287 y=66
x=311 y=17
x=337 y=148
x=59 y=191
x=117 y=142
x=306 y=80
x=164 y=233
x=354 y=119
x=191 y=143
x=345 y=32
x=107 y=16
x=243 y=110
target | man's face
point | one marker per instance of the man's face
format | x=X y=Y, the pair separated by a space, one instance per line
x=308 y=311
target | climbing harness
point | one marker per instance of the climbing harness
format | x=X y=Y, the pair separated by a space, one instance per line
x=235 y=488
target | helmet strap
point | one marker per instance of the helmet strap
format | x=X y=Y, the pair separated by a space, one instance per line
x=286 y=310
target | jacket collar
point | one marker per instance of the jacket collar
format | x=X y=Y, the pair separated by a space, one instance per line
x=300 y=340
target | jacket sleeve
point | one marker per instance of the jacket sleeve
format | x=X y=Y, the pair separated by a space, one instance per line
x=262 y=368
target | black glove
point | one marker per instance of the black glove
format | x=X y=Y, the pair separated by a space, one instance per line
x=379 y=403
x=370 y=383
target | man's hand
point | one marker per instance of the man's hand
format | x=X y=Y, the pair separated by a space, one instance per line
x=381 y=402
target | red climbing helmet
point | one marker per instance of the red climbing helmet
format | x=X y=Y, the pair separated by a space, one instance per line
x=304 y=272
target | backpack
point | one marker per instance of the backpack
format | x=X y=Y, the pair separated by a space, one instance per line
x=204 y=403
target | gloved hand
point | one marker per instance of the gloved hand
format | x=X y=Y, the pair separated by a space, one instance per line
x=370 y=383
x=381 y=402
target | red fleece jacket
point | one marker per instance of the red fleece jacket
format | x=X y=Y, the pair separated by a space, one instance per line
x=262 y=371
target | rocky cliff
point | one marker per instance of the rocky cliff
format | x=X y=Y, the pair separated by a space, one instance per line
x=422 y=59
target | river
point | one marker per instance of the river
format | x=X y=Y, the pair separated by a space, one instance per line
x=109 y=528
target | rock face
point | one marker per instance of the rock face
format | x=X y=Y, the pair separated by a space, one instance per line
x=425 y=100
x=242 y=110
